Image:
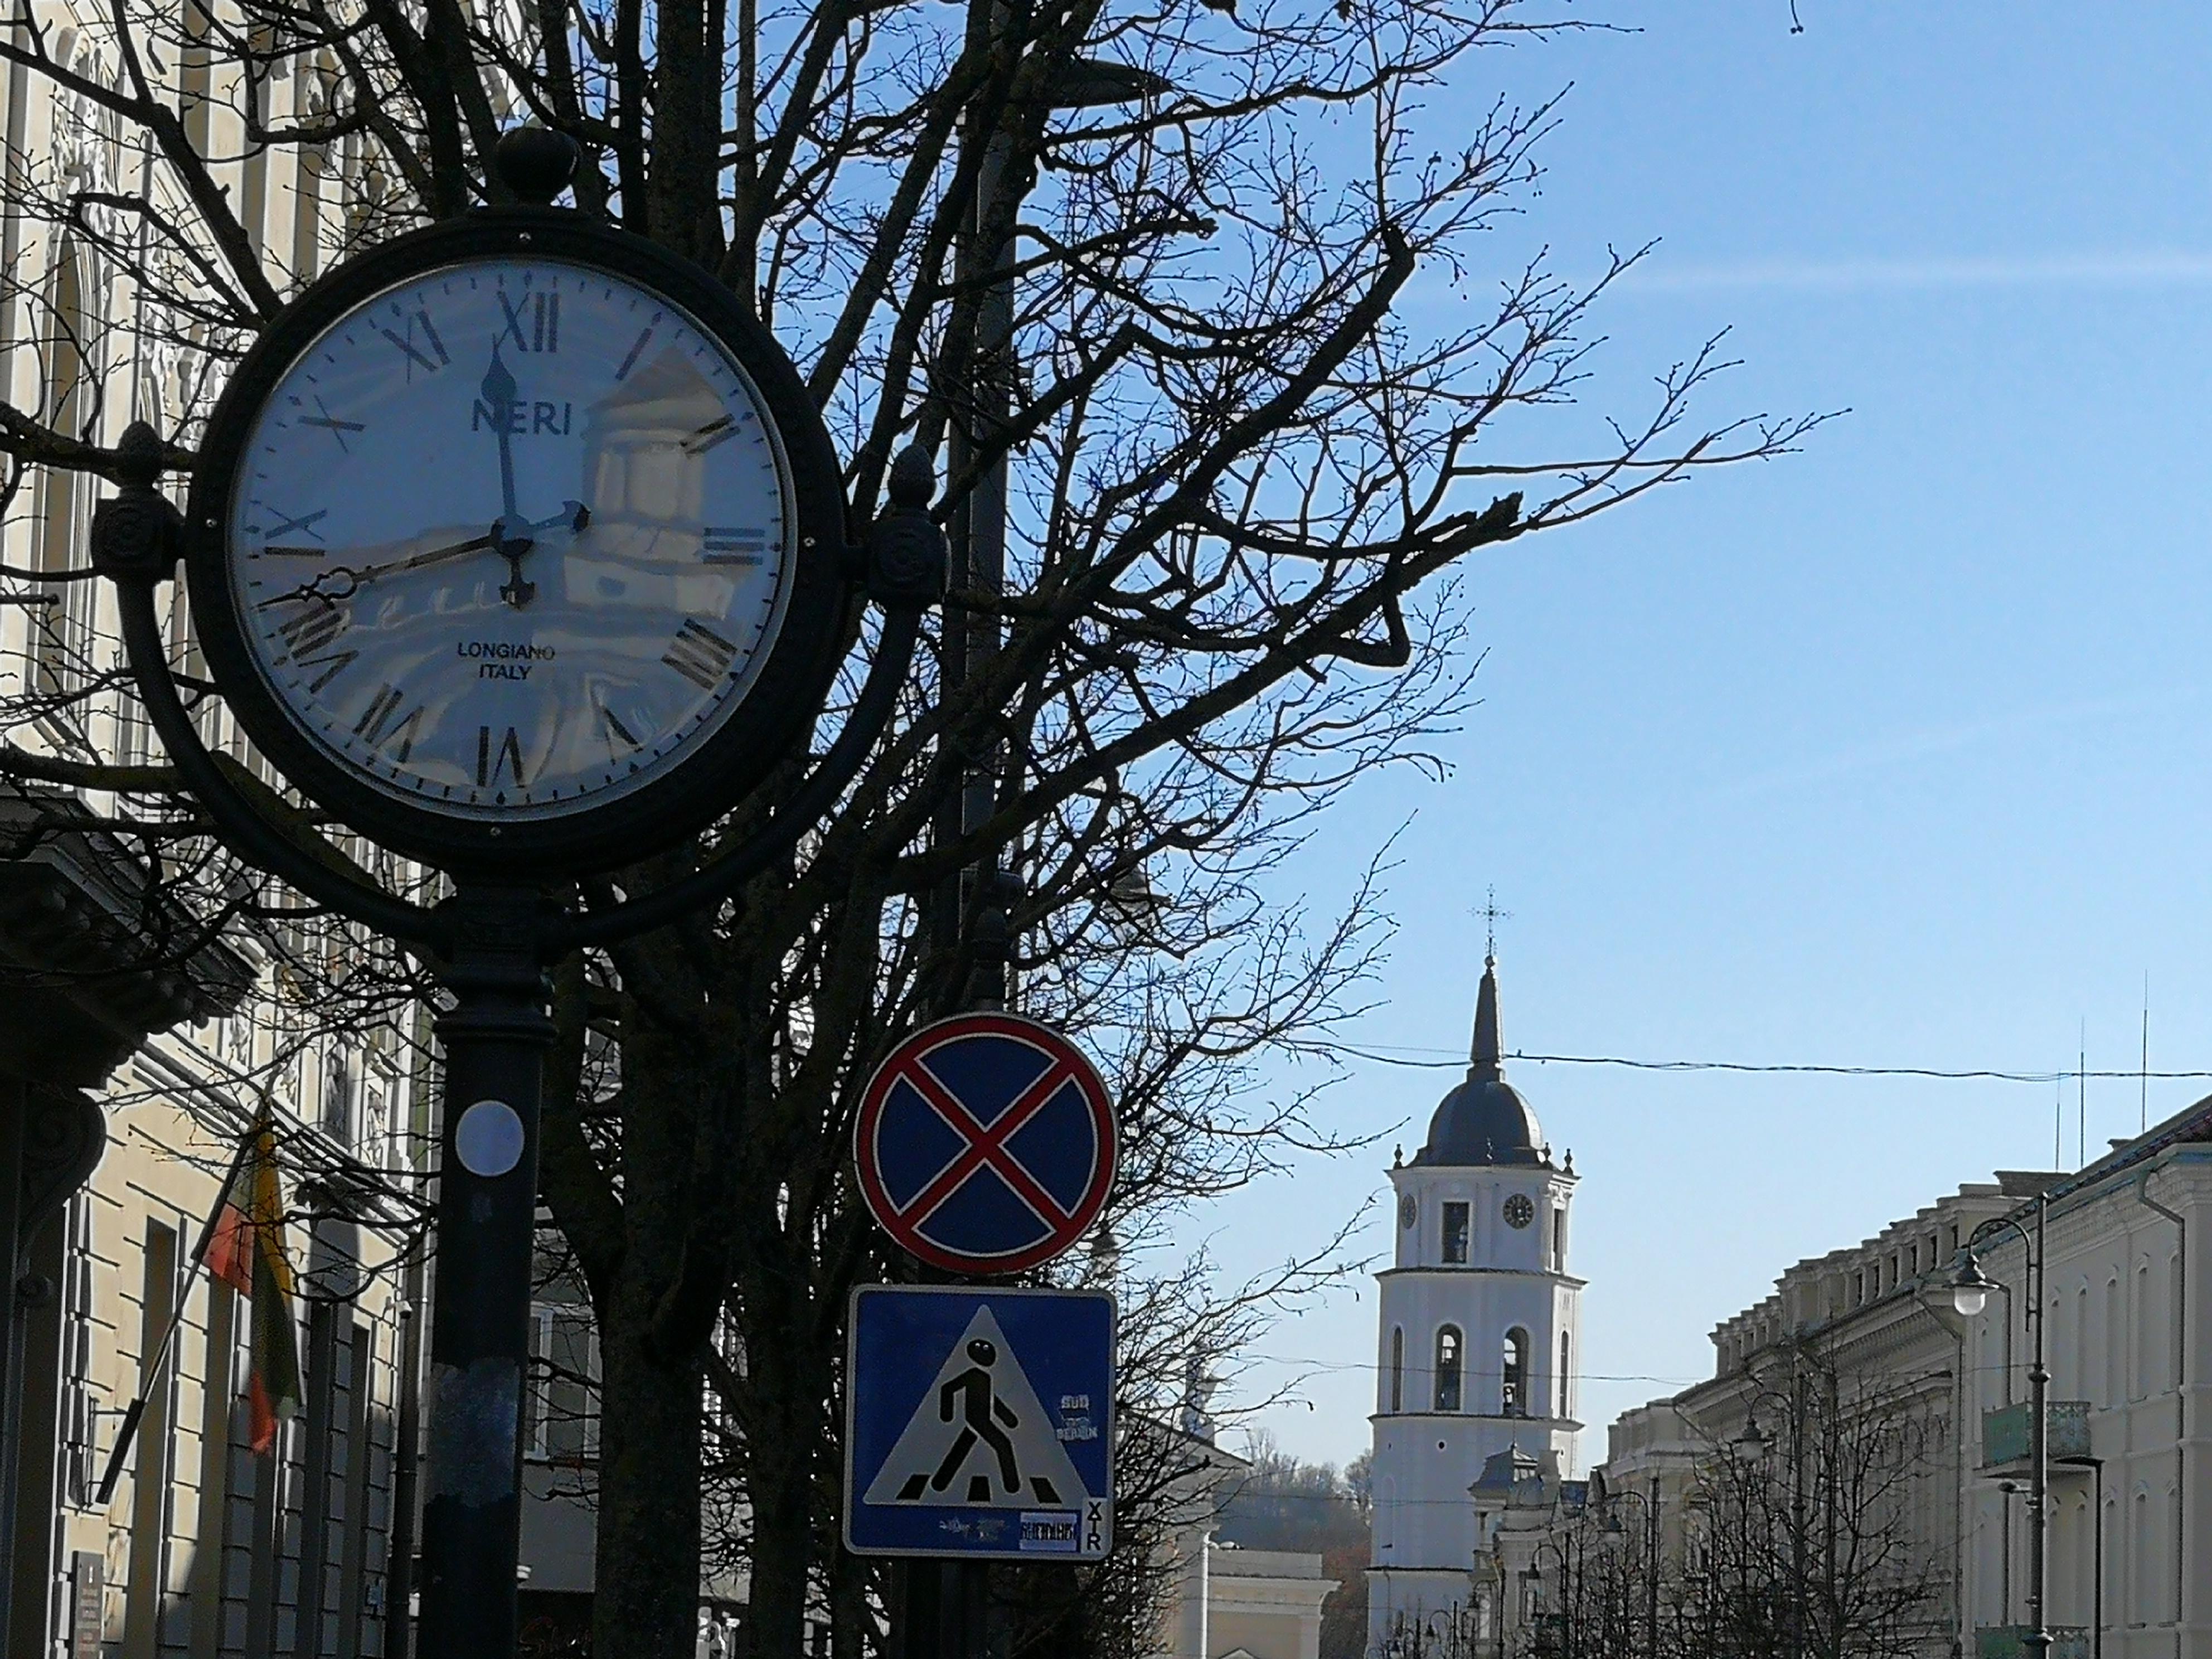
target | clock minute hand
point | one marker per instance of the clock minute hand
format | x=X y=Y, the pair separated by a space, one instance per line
x=474 y=544
x=342 y=582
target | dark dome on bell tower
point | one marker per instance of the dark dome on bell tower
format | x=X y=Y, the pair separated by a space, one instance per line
x=1484 y=1120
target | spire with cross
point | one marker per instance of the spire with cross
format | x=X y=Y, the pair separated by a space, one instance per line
x=1490 y=917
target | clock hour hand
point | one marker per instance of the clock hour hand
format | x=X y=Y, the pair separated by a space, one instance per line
x=571 y=517
x=499 y=390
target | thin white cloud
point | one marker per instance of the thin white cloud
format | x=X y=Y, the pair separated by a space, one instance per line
x=1896 y=750
x=2098 y=270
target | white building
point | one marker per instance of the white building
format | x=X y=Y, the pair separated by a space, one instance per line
x=1480 y=1327
x=2127 y=1306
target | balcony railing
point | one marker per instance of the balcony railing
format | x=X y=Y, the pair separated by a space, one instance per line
x=2010 y=1641
x=2006 y=1431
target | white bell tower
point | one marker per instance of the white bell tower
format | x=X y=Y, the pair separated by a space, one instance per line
x=1481 y=1334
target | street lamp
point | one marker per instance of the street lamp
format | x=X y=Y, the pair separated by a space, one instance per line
x=1970 y=1289
x=1751 y=1444
x=1562 y=1621
x=1970 y=1294
x=1650 y=1502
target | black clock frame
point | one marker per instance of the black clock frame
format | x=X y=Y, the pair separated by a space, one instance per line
x=788 y=690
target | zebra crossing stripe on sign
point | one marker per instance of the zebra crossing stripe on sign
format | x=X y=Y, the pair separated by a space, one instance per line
x=980 y=1437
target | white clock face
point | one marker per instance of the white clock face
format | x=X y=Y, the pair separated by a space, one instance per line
x=511 y=536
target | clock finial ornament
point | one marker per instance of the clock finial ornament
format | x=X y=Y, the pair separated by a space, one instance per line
x=536 y=163
x=135 y=532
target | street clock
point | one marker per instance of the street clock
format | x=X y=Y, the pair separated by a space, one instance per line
x=517 y=544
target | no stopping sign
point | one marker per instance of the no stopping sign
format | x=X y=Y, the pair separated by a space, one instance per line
x=986 y=1144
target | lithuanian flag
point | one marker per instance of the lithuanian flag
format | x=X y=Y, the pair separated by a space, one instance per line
x=246 y=1250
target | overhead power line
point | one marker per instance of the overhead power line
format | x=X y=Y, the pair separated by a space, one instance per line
x=1380 y=1057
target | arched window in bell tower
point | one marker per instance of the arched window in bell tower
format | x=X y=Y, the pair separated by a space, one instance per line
x=1513 y=1398
x=1566 y=1369
x=1449 y=1348
x=1456 y=1234
x=1397 y=1367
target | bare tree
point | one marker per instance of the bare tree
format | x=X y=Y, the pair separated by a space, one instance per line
x=1809 y=1549
x=1244 y=480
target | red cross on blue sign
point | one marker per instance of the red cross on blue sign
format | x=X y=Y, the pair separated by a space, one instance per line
x=986 y=1144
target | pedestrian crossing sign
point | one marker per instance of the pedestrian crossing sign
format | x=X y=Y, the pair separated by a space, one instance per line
x=979 y=1423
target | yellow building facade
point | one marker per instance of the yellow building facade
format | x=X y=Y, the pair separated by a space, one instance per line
x=203 y=1548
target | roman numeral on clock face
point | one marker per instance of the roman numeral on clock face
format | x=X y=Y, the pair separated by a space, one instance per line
x=309 y=629
x=699 y=654
x=383 y=723
x=495 y=760
x=332 y=665
x=534 y=325
x=619 y=737
x=719 y=430
x=727 y=543
x=417 y=355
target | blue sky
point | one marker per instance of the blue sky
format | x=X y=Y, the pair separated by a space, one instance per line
x=1892 y=752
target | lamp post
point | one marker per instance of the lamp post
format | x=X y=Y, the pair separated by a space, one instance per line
x=943 y=1609
x=1651 y=1503
x=1534 y=1574
x=1754 y=1446
x=1970 y=1294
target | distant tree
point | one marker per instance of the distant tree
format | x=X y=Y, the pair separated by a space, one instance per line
x=1809 y=1550
x=1344 y=1615
x=1284 y=1503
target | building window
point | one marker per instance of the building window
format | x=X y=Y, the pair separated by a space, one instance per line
x=2143 y=1322
x=2142 y=1555
x=2115 y=1338
x=1398 y=1368
x=1513 y=1396
x=1448 y=1361
x=339 y=1086
x=1560 y=1240
x=564 y=1425
x=62 y=622
x=1566 y=1369
x=1455 y=1233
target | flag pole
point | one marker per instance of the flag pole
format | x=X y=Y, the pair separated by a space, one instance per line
x=150 y=1373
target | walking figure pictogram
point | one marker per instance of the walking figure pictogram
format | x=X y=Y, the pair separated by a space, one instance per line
x=975 y=1393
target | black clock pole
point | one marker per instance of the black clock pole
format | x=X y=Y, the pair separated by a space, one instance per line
x=495 y=1039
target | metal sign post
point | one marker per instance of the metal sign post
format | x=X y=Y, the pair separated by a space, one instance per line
x=979 y=1421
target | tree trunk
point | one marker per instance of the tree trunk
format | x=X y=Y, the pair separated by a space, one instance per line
x=646 y=1580
x=782 y=1431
